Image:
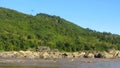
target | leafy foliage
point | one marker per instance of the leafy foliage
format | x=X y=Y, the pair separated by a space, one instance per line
x=20 y=31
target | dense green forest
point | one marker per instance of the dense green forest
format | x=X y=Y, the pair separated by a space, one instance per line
x=19 y=31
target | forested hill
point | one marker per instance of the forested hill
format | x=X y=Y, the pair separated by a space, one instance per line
x=19 y=31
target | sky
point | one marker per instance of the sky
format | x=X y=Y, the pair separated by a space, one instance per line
x=99 y=15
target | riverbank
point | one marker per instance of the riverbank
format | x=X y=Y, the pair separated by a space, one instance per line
x=110 y=54
x=57 y=59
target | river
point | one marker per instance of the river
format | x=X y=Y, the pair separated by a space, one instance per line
x=70 y=63
x=23 y=67
x=92 y=65
x=75 y=65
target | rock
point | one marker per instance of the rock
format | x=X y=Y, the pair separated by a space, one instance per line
x=111 y=51
x=43 y=49
x=70 y=55
x=22 y=53
x=25 y=54
x=64 y=55
x=98 y=55
x=36 y=55
x=82 y=54
x=55 y=50
x=51 y=54
x=89 y=55
x=114 y=53
x=118 y=55
x=78 y=54
x=29 y=55
x=55 y=55
x=107 y=55
x=7 y=54
x=18 y=55
x=45 y=55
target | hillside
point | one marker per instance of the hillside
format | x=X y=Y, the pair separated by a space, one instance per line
x=19 y=31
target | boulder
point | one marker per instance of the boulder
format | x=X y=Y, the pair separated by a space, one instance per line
x=98 y=55
x=65 y=55
x=107 y=55
x=22 y=53
x=18 y=55
x=114 y=52
x=89 y=55
x=70 y=55
x=78 y=54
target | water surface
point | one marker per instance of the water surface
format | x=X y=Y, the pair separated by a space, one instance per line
x=65 y=63
x=75 y=65
x=25 y=67
x=98 y=64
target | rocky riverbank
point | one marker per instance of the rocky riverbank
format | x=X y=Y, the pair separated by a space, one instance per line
x=55 y=55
